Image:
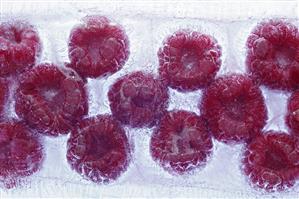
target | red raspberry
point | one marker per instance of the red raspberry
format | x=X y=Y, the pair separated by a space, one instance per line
x=20 y=46
x=292 y=118
x=181 y=142
x=234 y=108
x=189 y=60
x=273 y=54
x=99 y=149
x=138 y=99
x=51 y=99
x=271 y=161
x=21 y=153
x=98 y=47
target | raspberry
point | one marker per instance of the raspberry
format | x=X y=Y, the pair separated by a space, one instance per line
x=189 y=60
x=138 y=99
x=271 y=161
x=21 y=153
x=99 y=149
x=181 y=142
x=273 y=54
x=51 y=99
x=234 y=108
x=98 y=47
x=20 y=46
x=292 y=118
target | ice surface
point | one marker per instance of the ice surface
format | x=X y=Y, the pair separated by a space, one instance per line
x=147 y=25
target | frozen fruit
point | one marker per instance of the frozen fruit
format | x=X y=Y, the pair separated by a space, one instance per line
x=21 y=153
x=20 y=46
x=181 y=142
x=189 y=60
x=99 y=149
x=292 y=118
x=51 y=99
x=273 y=54
x=4 y=86
x=98 y=47
x=271 y=161
x=234 y=108
x=138 y=99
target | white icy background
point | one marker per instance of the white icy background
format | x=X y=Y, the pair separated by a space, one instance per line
x=147 y=24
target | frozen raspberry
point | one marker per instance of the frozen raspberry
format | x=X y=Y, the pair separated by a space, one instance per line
x=181 y=142
x=3 y=94
x=273 y=54
x=51 y=99
x=21 y=153
x=271 y=161
x=292 y=118
x=99 y=149
x=20 y=46
x=98 y=47
x=234 y=108
x=138 y=99
x=189 y=60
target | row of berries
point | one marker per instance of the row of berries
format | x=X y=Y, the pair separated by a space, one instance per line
x=52 y=100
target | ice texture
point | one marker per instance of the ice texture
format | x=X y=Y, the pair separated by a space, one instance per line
x=147 y=24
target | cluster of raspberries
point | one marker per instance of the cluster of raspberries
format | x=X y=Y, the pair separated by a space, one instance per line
x=51 y=99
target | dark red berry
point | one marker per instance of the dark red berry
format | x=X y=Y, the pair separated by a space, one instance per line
x=273 y=54
x=271 y=161
x=234 y=108
x=51 y=99
x=138 y=99
x=189 y=60
x=20 y=46
x=21 y=153
x=181 y=142
x=99 y=149
x=292 y=118
x=98 y=47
